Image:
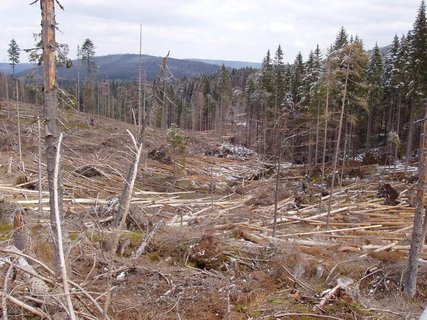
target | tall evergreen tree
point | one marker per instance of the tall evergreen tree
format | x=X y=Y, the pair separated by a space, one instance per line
x=13 y=54
x=279 y=77
x=267 y=77
x=87 y=53
x=375 y=92
x=312 y=73
x=341 y=40
x=418 y=55
x=224 y=95
x=297 y=82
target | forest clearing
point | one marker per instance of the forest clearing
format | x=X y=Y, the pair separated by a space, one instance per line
x=143 y=187
x=199 y=243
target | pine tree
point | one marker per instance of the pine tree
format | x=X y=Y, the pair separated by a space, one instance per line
x=311 y=85
x=13 y=54
x=311 y=89
x=279 y=77
x=87 y=53
x=267 y=77
x=375 y=91
x=297 y=82
x=224 y=94
x=418 y=56
x=341 y=40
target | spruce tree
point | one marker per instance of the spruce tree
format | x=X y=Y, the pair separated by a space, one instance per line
x=341 y=40
x=375 y=92
x=418 y=55
x=297 y=82
x=13 y=54
x=311 y=77
x=87 y=53
x=279 y=77
x=224 y=95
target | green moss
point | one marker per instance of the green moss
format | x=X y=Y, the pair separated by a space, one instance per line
x=6 y=228
x=274 y=300
x=36 y=229
x=73 y=236
x=5 y=231
x=301 y=308
x=134 y=237
x=95 y=236
x=44 y=251
x=240 y=308
x=154 y=257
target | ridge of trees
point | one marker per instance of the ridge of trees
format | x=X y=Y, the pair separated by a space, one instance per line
x=383 y=103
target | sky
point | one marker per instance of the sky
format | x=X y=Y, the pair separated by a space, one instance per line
x=210 y=29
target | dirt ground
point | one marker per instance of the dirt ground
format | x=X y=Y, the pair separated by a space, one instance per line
x=205 y=219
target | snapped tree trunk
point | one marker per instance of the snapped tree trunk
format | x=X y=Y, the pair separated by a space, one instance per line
x=276 y=193
x=337 y=148
x=50 y=114
x=325 y=138
x=419 y=229
x=410 y=138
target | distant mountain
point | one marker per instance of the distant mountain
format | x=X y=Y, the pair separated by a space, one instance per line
x=6 y=68
x=125 y=67
x=230 y=63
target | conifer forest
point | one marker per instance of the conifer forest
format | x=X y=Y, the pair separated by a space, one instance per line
x=142 y=187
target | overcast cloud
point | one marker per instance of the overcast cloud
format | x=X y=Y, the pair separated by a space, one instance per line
x=213 y=29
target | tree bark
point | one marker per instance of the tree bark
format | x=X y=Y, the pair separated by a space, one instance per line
x=410 y=138
x=276 y=194
x=19 y=126
x=325 y=141
x=60 y=242
x=337 y=148
x=50 y=114
x=419 y=229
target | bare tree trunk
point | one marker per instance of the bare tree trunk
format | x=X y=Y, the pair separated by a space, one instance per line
x=325 y=141
x=7 y=97
x=410 y=138
x=316 y=151
x=419 y=229
x=140 y=111
x=50 y=115
x=39 y=162
x=119 y=220
x=276 y=194
x=369 y=131
x=19 y=126
x=337 y=148
x=344 y=151
x=60 y=239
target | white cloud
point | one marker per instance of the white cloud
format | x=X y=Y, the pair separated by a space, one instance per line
x=227 y=29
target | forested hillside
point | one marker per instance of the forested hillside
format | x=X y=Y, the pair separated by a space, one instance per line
x=380 y=96
x=121 y=67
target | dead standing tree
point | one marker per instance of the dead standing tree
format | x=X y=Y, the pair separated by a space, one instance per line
x=337 y=147
x=119 y=220
x=51 y=132
x=420 y=223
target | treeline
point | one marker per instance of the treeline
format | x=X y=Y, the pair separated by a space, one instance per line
x=370 y=103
